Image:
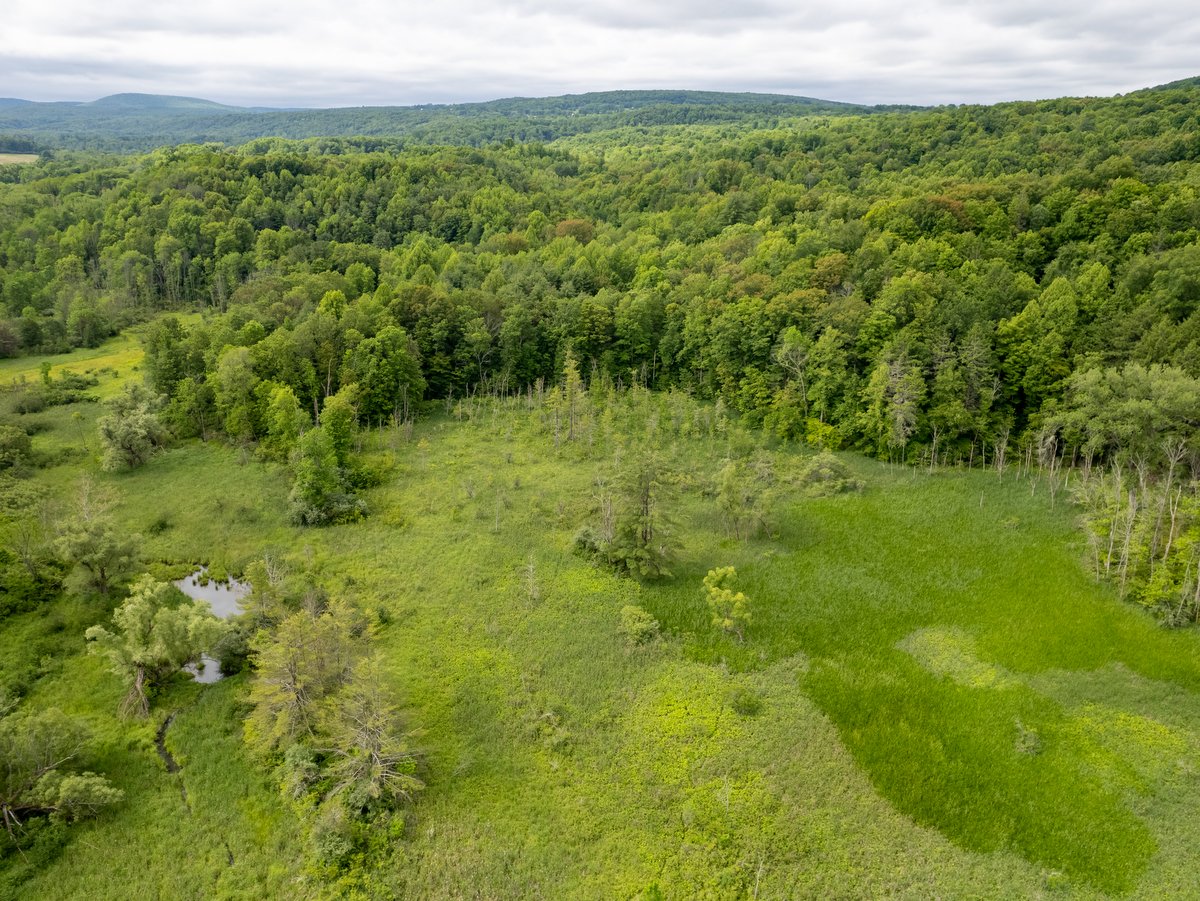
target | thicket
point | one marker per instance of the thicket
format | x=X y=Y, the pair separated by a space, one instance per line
x=322 y=719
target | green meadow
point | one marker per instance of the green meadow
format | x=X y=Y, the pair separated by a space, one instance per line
x=933 y=698
x=112 y=363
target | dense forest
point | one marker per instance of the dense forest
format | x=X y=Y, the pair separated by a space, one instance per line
x=677 y=312
x=951 y=286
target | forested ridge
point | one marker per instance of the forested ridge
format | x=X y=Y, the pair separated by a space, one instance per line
x=140 y=122
x=554 y=447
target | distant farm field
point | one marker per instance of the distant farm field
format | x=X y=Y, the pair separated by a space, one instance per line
x=18 y=158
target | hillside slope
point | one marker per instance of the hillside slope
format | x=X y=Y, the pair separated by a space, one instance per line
x=126 y=122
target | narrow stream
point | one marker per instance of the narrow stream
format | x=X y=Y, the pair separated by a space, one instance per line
x=224 y=598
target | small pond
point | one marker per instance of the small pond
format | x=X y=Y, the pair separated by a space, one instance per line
x=224 y=598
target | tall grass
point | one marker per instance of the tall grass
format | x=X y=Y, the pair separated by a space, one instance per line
x=933 y=698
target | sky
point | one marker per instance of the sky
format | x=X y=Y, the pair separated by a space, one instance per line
x=371 y=52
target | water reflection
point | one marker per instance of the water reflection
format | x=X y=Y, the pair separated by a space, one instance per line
x=224 y=598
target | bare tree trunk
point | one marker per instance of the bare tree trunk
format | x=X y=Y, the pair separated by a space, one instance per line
x=1175 y=451
x=1118 y=494
x=1123 y=567
x=1174 y=523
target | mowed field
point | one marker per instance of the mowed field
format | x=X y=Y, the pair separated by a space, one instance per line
x=7 y=159
x=933 y=698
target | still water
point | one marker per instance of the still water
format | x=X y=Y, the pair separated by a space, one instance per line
x=224 y=598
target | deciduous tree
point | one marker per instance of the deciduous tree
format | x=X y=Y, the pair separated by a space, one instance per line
x=155 y=636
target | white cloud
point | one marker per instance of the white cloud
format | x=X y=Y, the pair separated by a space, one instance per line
x=356 y=52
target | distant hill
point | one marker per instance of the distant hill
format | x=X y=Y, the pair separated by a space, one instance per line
x=1181 y=84
x=158 y=102
x=132 y=122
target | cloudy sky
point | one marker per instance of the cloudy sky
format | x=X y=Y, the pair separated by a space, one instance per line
x=359 y=52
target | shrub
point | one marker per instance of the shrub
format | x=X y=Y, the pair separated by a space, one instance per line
x=730 y=609
x=745 y=702
x=638 y=626
x=160 y=524
x=825 y=475
x=15 y=446
x=587 y=542
x=31 y=400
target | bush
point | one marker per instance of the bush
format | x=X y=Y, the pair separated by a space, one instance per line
x=31 y=400
x=232 y=651
x=638 y=626
x=363 y=476
x=15 y=446
x=21 y=591
x=160 y=524
x=745 y=702
x=587 y=542
x=825 y=475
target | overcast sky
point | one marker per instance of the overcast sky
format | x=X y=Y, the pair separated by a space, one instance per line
x=368 y=52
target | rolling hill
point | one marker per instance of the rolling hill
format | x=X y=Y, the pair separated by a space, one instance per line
x=133 y=122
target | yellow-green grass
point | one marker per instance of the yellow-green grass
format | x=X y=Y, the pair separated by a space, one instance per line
x=949 y=706
x=8 y=159
x=113 y=362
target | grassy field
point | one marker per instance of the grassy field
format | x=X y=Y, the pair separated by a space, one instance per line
x=113 y=362
x=7 y=159
x=947 y=706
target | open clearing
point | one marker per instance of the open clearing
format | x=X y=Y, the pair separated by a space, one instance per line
x=946 y=703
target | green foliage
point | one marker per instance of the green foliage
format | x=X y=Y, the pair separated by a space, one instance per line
x=388 y=374
x=286 y=422
x=92 y=541
x=319 y=493
x=940 y=315
x=15 y=446
x=745 y=495
x=371 y=762
x=746 y=702
x=235 y=381
x=37 y=752
x=154 y=638
x=637 y=626
x=76 y=796
x=825 y=474
x=949 y=285
x=1144 y=534
x=301 y=663
x=130 y=431
x=337 y=419
x=730 y=610
x=319 y=707
x=1136 y=413
x=856 y=740
x=641 y=542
